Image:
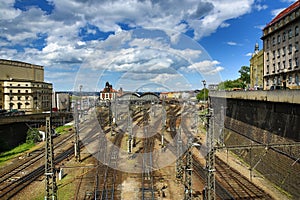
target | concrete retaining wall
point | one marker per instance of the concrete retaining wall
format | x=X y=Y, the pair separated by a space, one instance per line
x=278 y=118
x=264 y=122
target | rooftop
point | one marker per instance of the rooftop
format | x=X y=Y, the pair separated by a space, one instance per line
x=285 y=12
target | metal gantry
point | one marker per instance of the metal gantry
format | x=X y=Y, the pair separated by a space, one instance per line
x=188 y=172
x=210 y=157
x=76 y=143
x=179 y=163
x=164 y=123
x=130 y=133
x=51 y=187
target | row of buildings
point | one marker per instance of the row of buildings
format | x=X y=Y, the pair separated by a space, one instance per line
x=277 y=64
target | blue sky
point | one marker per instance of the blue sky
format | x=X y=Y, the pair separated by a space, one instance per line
x=138 y=45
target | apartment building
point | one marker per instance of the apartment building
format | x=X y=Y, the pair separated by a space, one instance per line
x=22 y=87
x=281 y=49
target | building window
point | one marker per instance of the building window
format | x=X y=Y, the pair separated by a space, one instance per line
x=296 y=31
x=10 y=91
x=283 y=51
x=19 y=85
x=290 y=48
x=296 y=62
x=278 y=39
x=273 y=41
x=267 y=82
x=19 y=91
x=19 y=98
x=297 y=79
x=11 y=98
x=267 y=69
x=278 y=53
x=268 y=56
x=283 y=36
x=26 y=84
x=290 y=79
x=273 y=55
x=274 y=68
x=296 y=46
x=267 y=43
x=290 y=63
x=26 y=91
x=278 y=66
x=26 y=98
x=290 y=33
x=283 y=64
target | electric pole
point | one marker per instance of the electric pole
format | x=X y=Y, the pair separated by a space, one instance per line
x=188 y=172
x=51 y=188
x=210 y=158
x=130 y=135
x=76 y=144
x=164 y=116
x=179 y=165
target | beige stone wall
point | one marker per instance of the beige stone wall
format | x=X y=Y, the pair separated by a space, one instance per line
x=11 y=70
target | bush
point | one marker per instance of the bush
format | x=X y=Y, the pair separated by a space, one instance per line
x=33 y=136
x=62 y=129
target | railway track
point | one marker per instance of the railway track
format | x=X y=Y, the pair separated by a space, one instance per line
x=108 y=188
x=221 y=192
x=106 y=175
x=148 y=192
x=11 y=172
x=10 y=189
x=237 y=184
x=230 y=184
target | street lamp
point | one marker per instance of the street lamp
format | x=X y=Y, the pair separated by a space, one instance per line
x=204 y=84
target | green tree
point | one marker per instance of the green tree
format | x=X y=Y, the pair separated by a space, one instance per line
x=33 y=136
x=203 y=94
x=245 y=74
x=229 y=84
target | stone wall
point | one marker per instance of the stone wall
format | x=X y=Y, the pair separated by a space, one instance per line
x=282 y=119
x=252 y=121
x=12 y=135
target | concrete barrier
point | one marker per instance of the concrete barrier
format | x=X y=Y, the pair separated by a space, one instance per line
x=284 y=96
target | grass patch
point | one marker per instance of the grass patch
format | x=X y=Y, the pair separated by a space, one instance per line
x=63 y=129
x=15 y=152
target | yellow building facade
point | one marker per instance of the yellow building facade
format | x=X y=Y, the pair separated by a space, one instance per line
x=22 y=87
x=256 y=68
